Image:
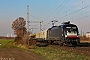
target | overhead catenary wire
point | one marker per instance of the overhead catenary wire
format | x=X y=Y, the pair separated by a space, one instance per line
x=60 y=9
x=85 y=13
x=86 y=16
x=63 y=6
x=68 y=9
x=71 y=8
x=34 y=17
x=74 y=12
x=55 y=10
x=71 y=13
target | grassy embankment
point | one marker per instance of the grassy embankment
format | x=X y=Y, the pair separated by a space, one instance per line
x=54 y=54
x=6 y=43
x=46 y=52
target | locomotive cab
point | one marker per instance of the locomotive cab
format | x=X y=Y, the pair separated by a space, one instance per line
x=70 y=34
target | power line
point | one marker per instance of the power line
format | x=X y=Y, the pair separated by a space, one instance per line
x=82 y=17
x=56 y=9
x=63 y=6
x=35 y=17
x=75 y=11
x=71 y=8
x=76 y=5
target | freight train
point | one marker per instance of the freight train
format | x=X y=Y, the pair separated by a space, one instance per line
x=65 y=34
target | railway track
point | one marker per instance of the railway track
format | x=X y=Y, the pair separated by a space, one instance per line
x=83 y=50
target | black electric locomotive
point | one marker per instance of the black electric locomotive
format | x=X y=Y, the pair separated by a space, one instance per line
x=64 y=34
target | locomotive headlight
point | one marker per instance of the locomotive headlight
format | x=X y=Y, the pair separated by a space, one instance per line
x=65 y=35
x=77 y=35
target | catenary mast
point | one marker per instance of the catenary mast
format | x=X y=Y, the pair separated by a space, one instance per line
x=27 y=18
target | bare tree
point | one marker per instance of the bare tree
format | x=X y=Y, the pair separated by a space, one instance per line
x=19 y=30
x=19 y=26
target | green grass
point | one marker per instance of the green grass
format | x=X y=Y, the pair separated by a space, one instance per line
x=46 y=52
x=54 y=54
x=6 y=43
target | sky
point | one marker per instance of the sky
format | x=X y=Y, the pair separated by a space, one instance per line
x=76 y=11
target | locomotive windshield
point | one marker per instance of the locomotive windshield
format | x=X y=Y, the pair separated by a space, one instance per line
x=73 y=30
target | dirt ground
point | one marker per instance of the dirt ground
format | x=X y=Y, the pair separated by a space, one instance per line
x=17 y=54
